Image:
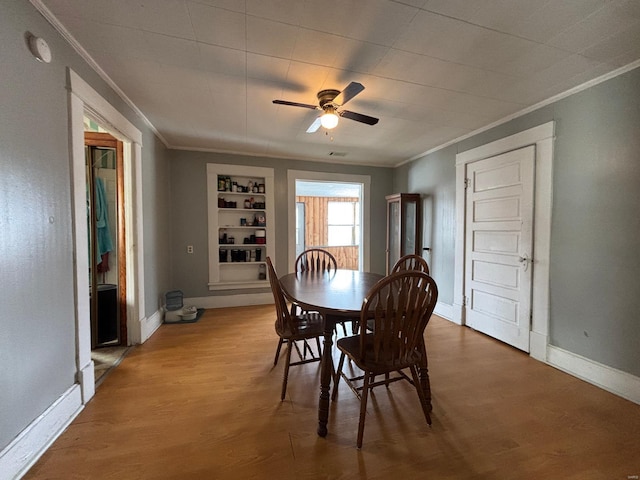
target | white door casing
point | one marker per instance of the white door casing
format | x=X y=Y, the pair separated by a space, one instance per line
x=365 y=218
x=542 y=137
x=84 y=100
x=498 y=246
x=300 y=228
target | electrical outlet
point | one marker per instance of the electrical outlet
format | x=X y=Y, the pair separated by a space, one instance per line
x=189 y=248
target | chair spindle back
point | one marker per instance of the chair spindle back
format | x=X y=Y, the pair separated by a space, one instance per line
x=398 y=307
x=411 y=262
x=283 y=317
x=315 y=260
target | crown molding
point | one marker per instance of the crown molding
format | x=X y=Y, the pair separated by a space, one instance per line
x=584 y=86
x=70 y=39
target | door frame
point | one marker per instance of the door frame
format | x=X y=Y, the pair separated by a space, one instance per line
x=96 y=139
x=542 y=137
x=300 y=225
x=365 y=213
x=85 y=101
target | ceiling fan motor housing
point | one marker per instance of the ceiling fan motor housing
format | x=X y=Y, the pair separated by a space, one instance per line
x=327 y=96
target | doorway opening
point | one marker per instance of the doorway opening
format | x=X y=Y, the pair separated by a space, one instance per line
x=104 y=162
x=328 y=216
x=321 y=181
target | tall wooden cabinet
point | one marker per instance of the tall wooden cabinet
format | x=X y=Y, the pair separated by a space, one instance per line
x=403 y=226
x=241 y=226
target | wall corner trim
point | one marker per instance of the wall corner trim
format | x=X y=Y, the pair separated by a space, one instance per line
x=23 y=452
x=538 y=345
x=87 y=381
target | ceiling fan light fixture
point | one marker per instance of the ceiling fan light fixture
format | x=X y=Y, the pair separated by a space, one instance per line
x=330 y=102
x=329 y=120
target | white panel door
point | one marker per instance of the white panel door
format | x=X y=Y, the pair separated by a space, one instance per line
x=498 y=246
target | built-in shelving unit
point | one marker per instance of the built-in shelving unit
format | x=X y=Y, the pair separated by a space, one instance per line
x=241 y=225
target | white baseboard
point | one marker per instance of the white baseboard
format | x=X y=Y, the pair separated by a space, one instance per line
x=457 y=310
x=615 y=381
x=21 y=454
x=149 y=325
x=444 y=310
x=220 y=301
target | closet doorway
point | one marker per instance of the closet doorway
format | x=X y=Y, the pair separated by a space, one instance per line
x=106 y=229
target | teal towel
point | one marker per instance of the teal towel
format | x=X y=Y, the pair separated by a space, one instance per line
x=103 y=233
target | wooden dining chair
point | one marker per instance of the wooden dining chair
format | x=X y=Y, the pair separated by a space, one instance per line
x=311 y=260
x=293 y=328
x=411 y=262
x=316 y=260
x=408 y=262
x=319 y=260
x=400 y=306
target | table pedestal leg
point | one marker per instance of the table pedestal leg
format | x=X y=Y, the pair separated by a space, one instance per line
x=326 y=372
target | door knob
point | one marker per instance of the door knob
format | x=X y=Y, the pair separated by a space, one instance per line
x=524 y=259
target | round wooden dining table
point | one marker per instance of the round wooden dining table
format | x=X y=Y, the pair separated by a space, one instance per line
x=338 y=294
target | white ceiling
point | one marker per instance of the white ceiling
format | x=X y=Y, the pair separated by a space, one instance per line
x=204 y=72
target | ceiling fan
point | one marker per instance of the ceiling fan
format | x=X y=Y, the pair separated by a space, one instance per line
x=329 y=102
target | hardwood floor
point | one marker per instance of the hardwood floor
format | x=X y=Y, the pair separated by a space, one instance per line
x=202 y=401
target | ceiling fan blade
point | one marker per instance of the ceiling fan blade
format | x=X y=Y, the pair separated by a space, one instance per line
x=296 y=104
x=358 y=117
x=350 y=91
x=313 y=128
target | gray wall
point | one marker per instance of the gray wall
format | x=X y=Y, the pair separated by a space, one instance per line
x=190 y=272
x=156 y=187
x=434 y=178
x=595 y=259
x=37 y=334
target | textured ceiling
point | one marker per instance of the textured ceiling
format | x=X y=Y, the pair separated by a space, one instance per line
x=204 y=73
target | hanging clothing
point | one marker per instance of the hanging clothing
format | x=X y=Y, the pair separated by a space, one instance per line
x=103 y=233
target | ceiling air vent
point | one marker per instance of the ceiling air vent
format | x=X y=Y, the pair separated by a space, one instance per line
x=337 y=154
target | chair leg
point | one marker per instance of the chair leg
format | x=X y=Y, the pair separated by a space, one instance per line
x=319 y=347
x=423 y=372
x=336 y=377
x=286 y=371
x=421 y=394
x=363 y=408
x=275 y=360
x=301 y=356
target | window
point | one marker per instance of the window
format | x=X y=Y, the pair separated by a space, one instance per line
x=343 y=223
